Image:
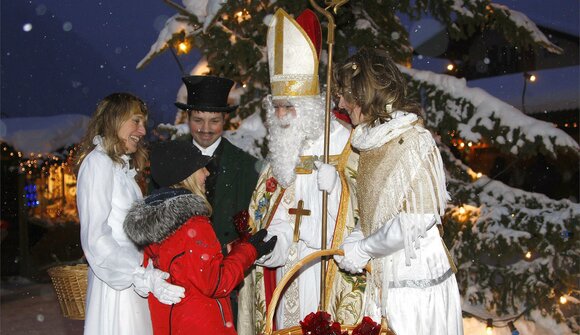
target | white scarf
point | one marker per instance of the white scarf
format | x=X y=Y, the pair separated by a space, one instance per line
x=367 y=137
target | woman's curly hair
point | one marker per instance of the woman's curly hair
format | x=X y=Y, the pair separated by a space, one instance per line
x=371 y=80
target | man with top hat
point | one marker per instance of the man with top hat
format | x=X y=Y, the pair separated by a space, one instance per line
x=288 y=198
x=233 y=172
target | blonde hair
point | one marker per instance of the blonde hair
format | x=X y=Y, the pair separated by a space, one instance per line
x=190 y=183
x=371 y=80
x=106 y=121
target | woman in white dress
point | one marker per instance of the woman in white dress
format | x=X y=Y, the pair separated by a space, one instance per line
x=401 y=195
x=110 y=157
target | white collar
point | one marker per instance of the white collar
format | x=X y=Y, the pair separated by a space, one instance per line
x=366 y=137
x=209 y=150
x=98 y=142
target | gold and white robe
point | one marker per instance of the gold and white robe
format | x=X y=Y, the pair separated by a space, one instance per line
x=401 y=181
x=345 y=292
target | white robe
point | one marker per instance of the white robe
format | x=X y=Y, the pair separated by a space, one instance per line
x=105 y=192
x=305 y=188
x=400 y=164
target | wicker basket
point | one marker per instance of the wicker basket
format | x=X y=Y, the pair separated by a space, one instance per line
x=70 y=284
x=296 y=330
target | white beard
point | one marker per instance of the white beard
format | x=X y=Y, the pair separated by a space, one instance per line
x=288 y=136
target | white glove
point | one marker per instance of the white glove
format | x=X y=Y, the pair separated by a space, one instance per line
x=153 y=280
x=390 y=237
x=355 y=259
x=355 y=235
x=326 y=177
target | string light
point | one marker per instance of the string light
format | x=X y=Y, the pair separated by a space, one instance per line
x=528 y=255
x=489 y=327
x=513 y=328
x=450 y=67
x=489 y=322
x=183 y=47
x=563 y=299
x=242 y=15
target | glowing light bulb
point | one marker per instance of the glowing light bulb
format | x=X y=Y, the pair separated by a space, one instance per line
x=532 y=78
x=563 y=299
x=528 y=255
x=462 y=145
x=489 y=327
x=183 y=47
x=461 y=210
x=479 y=174
x=450 y=67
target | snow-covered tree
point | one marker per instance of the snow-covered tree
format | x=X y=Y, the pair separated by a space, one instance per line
x=517 y=252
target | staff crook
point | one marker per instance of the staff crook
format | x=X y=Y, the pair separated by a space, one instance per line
x=330 y=4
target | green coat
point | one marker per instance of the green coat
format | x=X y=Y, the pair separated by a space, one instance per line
x=236 y=180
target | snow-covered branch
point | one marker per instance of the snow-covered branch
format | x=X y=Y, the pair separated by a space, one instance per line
x=479 y=115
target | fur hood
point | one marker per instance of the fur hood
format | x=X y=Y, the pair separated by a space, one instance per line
x=158 y=216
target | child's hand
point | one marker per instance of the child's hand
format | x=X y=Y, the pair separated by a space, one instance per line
x=262 y=248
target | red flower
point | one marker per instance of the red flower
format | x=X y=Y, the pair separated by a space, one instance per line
x=241 y=224
x=367 y=327
x=319 y=323
x=271 y=184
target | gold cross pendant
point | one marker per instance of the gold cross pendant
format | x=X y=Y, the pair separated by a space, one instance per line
x=299 y=211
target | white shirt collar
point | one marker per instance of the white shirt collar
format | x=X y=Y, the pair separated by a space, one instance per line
x=209 y=150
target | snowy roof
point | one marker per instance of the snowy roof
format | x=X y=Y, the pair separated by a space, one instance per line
x=559 y=15
x=43 y=134
x=553 y=90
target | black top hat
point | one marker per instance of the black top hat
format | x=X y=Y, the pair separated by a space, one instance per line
x=207 y=94
x=173 y=161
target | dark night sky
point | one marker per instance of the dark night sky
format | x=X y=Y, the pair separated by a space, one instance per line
x=78 y=51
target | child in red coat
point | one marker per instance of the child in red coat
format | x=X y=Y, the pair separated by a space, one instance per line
x=172 y=226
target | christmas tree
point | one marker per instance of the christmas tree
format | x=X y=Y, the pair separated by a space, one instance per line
x=517 y=251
